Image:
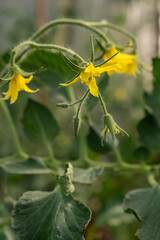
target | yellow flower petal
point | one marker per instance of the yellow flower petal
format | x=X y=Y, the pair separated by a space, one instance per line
x=27 y=80
x=91 y=83
x=71 y=82
x=126 y=63
x=16 y=84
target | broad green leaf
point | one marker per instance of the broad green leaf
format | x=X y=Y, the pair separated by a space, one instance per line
x=141 y=154
x=144 y=203
x=52 y=62
x=56 y=70
x=38 y=123
x=29 y=166
x=52 y=215
x=86 y=176
x=94 y=142
x=149 y=133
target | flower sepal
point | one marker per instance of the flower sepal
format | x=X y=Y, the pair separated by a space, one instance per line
x=111 y=126
x=16 y=69
x=74 y=66
x=8 y=76
x=24 y=73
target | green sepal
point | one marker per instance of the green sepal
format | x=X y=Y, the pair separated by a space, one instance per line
x=122 y=131
x=101 y=64
x=8 y=75
x=24 y=73
x=92 y=47
x=72 y=79
x=109 y=124
x=74 y=66
x=100 y=45
x=112 y=126
x=121 y=49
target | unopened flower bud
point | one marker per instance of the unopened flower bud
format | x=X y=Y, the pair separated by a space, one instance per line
x=62 y=105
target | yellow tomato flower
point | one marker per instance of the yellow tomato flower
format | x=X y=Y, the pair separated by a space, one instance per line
x=126 y=63
x=16 y=84
x=88 y=75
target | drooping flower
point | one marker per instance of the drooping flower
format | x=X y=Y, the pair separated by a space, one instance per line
x=16 y=84
x=88 y=75
x=126 y=63
x=111 y=126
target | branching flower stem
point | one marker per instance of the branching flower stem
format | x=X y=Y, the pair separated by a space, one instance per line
x=118 y=29
x=45 y=46
x=69 y=21
x=81 y=103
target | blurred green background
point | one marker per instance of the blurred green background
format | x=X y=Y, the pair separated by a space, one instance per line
x=123 y=95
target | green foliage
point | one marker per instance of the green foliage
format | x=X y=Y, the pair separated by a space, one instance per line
x=51 y=215
x=144 y=203
x=86 y=176
x=94 y=142
x=156 y=69
x=29 y=166
x=100 y=175
x=149 y=133
x=39 y=123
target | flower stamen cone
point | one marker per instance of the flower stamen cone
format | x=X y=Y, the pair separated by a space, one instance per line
x=16 y=84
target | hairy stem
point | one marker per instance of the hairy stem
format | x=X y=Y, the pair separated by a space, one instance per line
x=69 y=21
x=15 y=138
x=118 y=29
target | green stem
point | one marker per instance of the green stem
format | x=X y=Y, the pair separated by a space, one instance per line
x=152 y=180
x=118 y=29
x=48 y=46
x=15 y=138
x=50 y=150
x=81 y=102
x=69 y=21
x=8 y=159
x=118 y=155
x=102 y=103
x=83 y=146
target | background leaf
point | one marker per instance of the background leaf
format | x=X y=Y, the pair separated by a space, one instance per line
x=156 y=69
x=149 y=133
x=153 y=99
x=144 y=203
x=39 y=123
x=29 y=166
x=86 y=176
x=56 y=69
x=94 y=142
